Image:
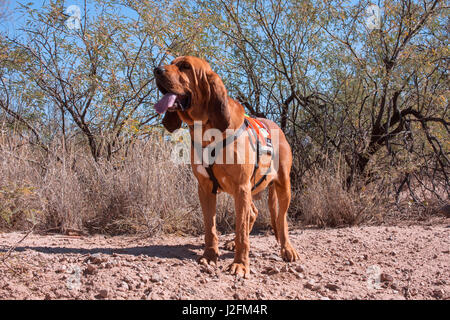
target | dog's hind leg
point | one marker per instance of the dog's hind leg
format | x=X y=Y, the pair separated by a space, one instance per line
x=273 y=209
x=283 y=192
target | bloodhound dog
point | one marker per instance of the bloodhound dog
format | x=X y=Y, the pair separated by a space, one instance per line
x=194 y=94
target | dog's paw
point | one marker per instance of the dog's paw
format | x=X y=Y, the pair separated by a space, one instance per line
x=239 y=269
x=209 y=257
x=289 y=254
x=229 y=245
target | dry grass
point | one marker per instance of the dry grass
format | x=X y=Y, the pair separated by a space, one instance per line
x=143 y=191
x=140 y=191
x=324 y=200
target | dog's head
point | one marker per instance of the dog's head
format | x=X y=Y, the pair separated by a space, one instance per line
x=192 y=92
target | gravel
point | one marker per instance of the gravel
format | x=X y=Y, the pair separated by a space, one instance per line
x=398 y=262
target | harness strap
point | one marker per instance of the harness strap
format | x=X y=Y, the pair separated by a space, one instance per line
x=258 y=144
x=213 y=146
x=212 y=153
x=213 y=179
x=225 y=143
x=256 y=148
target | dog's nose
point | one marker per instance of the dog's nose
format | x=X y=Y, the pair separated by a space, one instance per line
x=159 y=70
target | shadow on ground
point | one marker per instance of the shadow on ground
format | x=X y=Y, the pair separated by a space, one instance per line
x=158 y=251
x=183 y=252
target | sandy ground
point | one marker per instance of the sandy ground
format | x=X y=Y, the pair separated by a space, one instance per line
x=400 y=262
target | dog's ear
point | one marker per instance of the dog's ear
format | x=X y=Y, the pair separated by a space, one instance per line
x=218 y=113
x=171 y=121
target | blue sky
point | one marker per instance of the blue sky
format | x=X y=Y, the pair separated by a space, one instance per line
x=14 y=19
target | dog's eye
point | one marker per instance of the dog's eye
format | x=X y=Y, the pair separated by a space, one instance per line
x=184 y=66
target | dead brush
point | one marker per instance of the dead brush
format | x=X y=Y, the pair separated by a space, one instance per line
x=139 y=190
x=325 y=201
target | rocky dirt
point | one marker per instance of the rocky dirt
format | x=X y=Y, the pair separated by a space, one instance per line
x=370 y=262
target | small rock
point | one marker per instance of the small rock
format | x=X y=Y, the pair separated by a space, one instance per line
x=285 y=268
x=275 y=257
x=176 y=296
x=413 y=292
x=332 y=287
x=103 y=293
x=61 y=269
x=440 y=282
x=156 y=278
x=438 y=293
x=271 y=271
x=207 y=269
x=124 y=286
x=349 y=263
x=148 y=290
x=384 y=277
x=90 y=269
x=96 y=258
x=300 y=268
x=311 y=284
x=236 y=296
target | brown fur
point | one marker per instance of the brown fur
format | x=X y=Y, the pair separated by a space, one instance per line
x=211 y=104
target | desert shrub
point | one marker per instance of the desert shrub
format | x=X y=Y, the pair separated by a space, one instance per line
x=139 y=190
x=325 y=201
x=143 y=191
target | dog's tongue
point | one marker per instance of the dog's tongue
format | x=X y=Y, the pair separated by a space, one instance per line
x=165 y=103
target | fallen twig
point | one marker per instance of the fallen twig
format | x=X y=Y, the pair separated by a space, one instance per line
x=13 y=247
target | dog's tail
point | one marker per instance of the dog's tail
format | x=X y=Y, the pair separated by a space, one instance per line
x=273 y=208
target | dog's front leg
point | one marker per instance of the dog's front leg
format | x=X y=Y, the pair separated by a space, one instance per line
x=208 y=203
x=243 y=207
